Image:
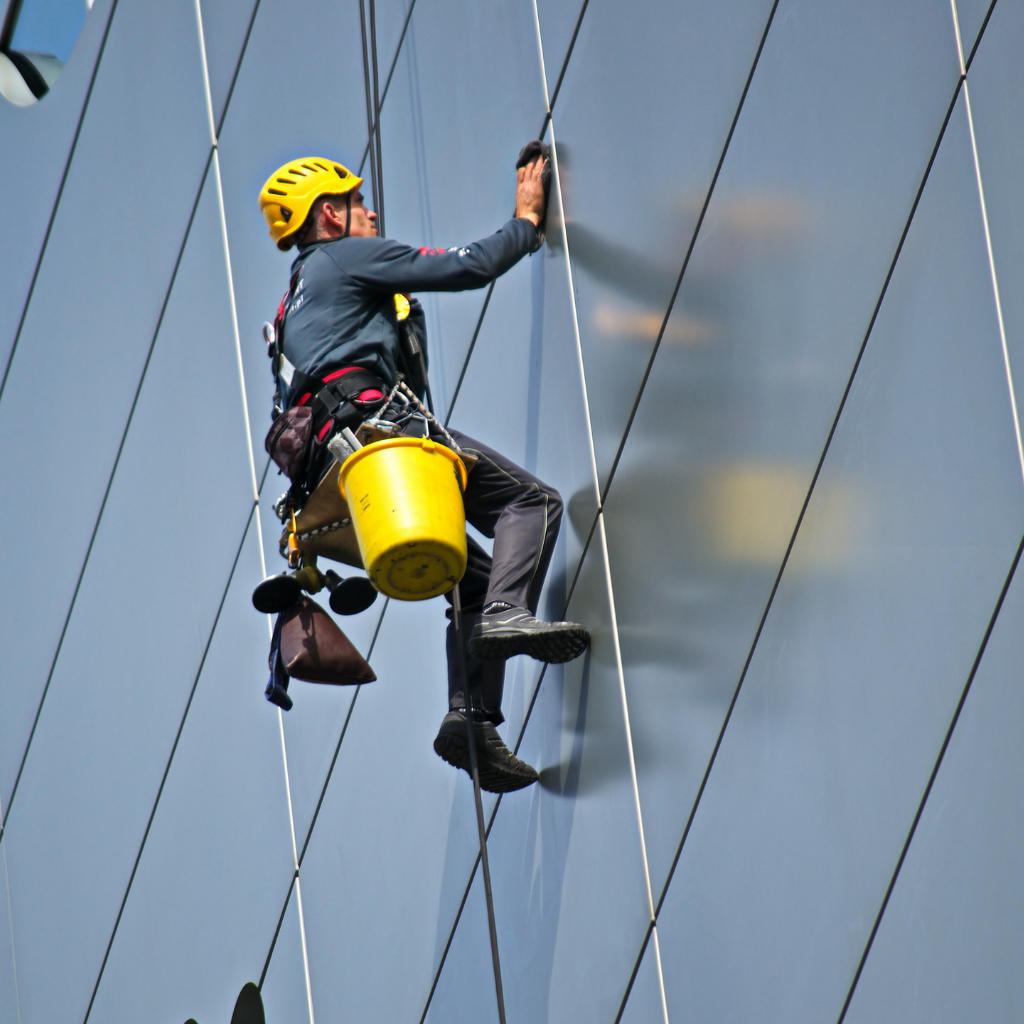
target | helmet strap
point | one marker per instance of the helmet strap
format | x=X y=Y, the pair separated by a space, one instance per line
x=348 y=213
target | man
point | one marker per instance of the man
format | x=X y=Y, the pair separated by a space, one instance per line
x=345 y=345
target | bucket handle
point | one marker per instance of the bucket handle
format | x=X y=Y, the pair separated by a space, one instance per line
x=430 y=446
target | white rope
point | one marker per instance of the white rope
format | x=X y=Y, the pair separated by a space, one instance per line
x=988 y=241
x=10 y=923
x=252 y=473
x=601 y=527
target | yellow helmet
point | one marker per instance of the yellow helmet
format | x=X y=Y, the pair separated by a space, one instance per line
x=291 y=190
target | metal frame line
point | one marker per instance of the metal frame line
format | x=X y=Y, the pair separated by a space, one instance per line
x=605 y=555
x=689 y=252
x=57 y=199
x=103 y=505
x=988 y=239
x=469 y=353
x=931 y=781
x=319 y=803
x=9 y=23
x=167 y=768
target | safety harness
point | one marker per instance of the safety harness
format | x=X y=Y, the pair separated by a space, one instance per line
x=341 y=397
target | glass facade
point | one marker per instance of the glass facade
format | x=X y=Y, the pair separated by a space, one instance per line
x=766 y=356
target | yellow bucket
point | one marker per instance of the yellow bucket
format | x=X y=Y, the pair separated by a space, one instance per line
x=405 y=498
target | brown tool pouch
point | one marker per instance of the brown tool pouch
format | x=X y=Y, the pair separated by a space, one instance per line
x=314 y=649
x=287 y=441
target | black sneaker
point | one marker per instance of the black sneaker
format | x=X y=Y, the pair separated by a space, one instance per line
x=500 y=770
x=515 y=631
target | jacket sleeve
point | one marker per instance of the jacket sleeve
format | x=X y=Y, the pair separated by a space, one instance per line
x=386 y=265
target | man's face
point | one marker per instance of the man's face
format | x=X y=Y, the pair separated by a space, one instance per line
x=360 y=221
x=363 y=223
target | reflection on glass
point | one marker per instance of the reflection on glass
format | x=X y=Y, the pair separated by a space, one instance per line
x=35 y=43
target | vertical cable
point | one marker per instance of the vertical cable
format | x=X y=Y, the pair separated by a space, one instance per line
x=609 y=586
x=369 y=108
x=252 y=464
x=375 y=139
x=988 y=239
x=485 y=865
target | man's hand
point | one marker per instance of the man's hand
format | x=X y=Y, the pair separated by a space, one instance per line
x=530 y=191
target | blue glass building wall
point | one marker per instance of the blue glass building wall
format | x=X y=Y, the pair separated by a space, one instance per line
x=761 y=358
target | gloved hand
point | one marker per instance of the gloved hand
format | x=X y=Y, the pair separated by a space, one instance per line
x=527 y=155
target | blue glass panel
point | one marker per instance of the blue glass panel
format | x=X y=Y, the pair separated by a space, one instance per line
x=95 y=310
x=955 y=922
x=449 y=167
x=395 y=840
x=896 y=570
x=38 y=138
x=835 y=137
x=465 y=991
x=314 y=726
x=134 y=645
x=637 y=152
x=565 y=855
x=218 y=859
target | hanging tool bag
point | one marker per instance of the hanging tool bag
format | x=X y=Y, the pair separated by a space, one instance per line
x=309 y=645
x=343 y=398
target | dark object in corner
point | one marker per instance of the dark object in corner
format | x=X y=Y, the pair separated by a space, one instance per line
x=248 y=1006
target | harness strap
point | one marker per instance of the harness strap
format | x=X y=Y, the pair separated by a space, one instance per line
x=352 y=390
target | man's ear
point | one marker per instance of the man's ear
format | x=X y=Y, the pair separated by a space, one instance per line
x=333 y=214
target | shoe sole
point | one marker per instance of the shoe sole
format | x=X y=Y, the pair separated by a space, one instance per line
x=493 y=778
x=553 y=646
